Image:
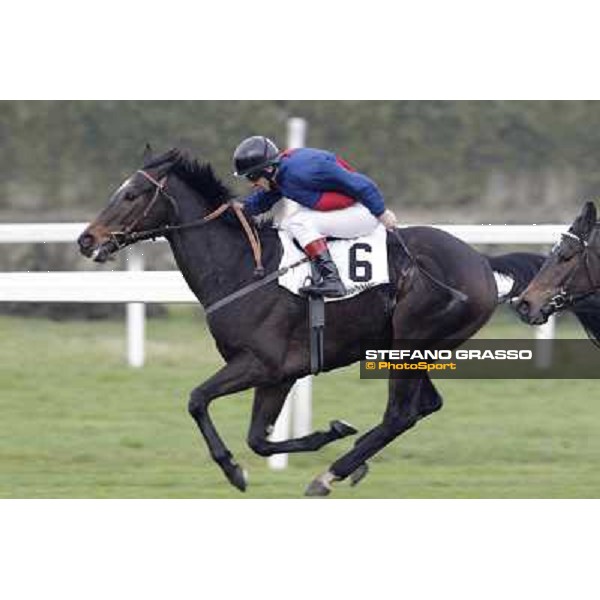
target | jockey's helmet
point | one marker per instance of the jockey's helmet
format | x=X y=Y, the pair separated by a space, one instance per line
x=253 y=156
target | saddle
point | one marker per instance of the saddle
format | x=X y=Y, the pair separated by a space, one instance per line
x=362 y=263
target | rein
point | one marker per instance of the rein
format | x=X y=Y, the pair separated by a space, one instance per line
x=127 y=237
x=456 y=294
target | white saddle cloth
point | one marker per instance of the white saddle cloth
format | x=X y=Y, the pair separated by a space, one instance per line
x=362 y=263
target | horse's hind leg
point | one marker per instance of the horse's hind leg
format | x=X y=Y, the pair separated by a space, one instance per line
x=268 y=402
x=409 y=400
x=430 y=402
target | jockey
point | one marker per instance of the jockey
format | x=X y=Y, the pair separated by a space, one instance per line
x=334 y=200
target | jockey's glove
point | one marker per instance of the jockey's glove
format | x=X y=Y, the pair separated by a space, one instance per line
x=388 y=219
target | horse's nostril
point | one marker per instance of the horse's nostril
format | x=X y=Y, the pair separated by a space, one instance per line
x=523 y=307
x=86 y=240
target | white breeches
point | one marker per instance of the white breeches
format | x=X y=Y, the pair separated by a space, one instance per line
x=307 y=225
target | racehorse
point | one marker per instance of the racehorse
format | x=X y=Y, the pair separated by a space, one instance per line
x=569 y=278
x=442 y=292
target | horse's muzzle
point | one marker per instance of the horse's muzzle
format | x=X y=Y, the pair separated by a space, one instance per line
x=528 y=315
x=97 y=252
x=87 y=244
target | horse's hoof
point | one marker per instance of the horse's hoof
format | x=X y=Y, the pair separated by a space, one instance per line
x=237 y=477
x=321 y=485
x=359 y=474
x=317 y=488
x=342 y=429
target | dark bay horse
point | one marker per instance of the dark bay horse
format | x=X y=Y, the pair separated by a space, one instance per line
x=443 y=295
x=569 y=277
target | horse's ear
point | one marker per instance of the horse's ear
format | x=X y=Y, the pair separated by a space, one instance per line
x=592 y=213
x=584 y=224
x=147 y=157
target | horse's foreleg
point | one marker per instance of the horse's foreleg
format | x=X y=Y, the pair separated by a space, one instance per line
x=409 y=400
x=268 y=402
x=234 y=377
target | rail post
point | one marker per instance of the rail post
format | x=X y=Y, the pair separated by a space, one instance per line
x=136 y=313
x=296 y=415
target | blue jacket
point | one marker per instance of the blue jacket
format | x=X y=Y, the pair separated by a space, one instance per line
x=308 y=176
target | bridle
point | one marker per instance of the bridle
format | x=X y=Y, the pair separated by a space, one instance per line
x=563 y=298
x=127 y=236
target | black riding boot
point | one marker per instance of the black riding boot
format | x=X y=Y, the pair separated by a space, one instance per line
x=329 y=283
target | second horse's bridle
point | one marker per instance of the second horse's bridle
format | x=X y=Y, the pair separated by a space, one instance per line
x=563 y=298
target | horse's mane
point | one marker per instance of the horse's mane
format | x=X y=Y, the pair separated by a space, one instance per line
x=201 y=178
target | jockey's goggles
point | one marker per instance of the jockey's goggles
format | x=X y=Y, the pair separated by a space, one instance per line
x=255 y=176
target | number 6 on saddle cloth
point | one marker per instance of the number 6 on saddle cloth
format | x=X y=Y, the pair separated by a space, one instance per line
x=362 y=264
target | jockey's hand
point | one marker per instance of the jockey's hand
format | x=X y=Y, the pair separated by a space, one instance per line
x=388 y=219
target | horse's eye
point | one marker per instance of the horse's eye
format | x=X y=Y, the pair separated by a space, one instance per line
x=568 y=251
x=129 y=196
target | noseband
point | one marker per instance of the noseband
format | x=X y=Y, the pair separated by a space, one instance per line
x=128 y=236
x=563 y=298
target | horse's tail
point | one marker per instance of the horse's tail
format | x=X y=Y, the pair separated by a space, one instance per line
x=520 y=266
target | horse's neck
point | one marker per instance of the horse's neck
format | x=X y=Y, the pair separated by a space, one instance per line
x=208 y=256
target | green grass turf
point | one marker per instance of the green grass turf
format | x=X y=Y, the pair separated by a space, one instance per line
x=76 y=422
